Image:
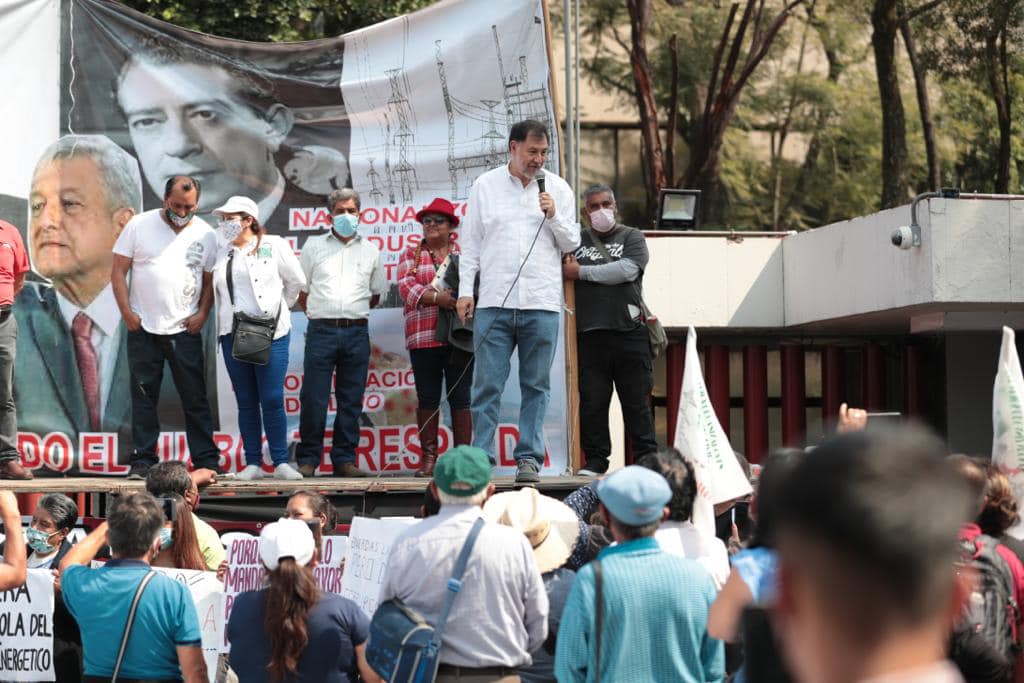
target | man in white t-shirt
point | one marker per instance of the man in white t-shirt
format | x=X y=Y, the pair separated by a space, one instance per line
x=170 y=253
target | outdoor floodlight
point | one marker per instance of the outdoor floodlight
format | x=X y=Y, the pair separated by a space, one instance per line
x=678 y=209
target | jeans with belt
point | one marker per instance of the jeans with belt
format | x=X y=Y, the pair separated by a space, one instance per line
x=259 y=393
x=497 y=333
x=344 y=352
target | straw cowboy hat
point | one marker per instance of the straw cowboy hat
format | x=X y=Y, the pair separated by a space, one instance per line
x=549 y=525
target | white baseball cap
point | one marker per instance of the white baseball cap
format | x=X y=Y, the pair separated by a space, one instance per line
x=286 y=538
x=239 y=204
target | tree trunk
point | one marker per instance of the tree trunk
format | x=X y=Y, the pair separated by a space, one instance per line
x=996 y=67
x=885 y=24
x=924 y=107
x=652 y=150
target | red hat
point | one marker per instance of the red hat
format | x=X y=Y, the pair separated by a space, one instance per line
x=441 y=206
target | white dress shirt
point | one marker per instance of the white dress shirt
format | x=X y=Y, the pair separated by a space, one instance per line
x=341 y=277
x=106 y=326
x=501 y=614
x=683 y=539
x=265 y=283
x=502 y=218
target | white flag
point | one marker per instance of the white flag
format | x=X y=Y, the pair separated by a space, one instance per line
x=1008 y=421
x=702 y=441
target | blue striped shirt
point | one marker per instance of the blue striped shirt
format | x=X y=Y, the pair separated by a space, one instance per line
x=655 y=620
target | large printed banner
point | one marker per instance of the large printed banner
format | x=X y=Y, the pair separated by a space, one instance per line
x=404 y=111
x=26 y=629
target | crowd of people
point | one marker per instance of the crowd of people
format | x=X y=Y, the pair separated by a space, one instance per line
x=874 y=556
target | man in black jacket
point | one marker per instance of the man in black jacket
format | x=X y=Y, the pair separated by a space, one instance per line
x=611 y=334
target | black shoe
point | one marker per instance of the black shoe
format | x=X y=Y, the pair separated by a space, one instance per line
x=594 y=468
x=527 y=472
x=139 y=470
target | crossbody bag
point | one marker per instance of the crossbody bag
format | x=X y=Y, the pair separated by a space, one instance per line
x=655 y=331
x=251 y=335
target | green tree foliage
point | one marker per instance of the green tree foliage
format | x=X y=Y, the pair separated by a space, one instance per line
x=275 y=20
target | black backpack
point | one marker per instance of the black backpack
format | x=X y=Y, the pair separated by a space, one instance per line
x=991 y=610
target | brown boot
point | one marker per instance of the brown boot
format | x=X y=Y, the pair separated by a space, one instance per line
x=462 y=426
x=12 y=469
x=427 y=421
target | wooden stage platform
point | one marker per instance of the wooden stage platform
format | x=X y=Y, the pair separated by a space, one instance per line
x=264 y=498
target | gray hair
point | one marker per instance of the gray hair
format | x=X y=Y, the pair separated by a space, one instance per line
x=119 y=171
x=477 y=498
x=341 y=195
x=597 y=189
x=63 y=510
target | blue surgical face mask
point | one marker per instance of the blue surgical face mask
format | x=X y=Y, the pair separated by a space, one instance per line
x=39 y=541
x=345 y=224
x=166 y=538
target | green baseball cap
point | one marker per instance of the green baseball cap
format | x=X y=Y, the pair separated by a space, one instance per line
x=463 y=471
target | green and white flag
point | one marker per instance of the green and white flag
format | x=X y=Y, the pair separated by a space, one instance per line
x=701 y=439
x=1008 y=420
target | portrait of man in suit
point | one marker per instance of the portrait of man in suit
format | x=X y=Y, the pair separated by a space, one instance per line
x=71 y=371
x=217 y=119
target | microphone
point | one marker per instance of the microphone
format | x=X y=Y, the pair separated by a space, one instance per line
x=540 y=181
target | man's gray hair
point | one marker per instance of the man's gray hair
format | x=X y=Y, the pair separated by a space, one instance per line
x=597 y=189
x=341 y=195
x=478 y=498
x=119 y=171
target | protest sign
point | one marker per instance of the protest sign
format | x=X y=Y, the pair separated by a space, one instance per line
x=369 y=545
x=701 y=439
x=26 y=629
x=206 y=593
x=245 y=570
x=1008 y=421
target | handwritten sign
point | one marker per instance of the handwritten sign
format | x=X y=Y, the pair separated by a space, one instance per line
x=369 y=546
x=245 y=571
x=207 y=594
x=26 y=629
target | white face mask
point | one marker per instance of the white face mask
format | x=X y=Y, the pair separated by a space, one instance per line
x=602 y=220
x=230 y=230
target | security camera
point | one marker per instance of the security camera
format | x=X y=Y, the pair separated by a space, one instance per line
x=902 y=237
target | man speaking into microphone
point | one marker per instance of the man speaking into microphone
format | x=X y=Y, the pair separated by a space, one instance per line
x=520 y=219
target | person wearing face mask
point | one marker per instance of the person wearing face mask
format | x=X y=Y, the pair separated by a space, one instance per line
x=266 y=279
x=179 y=543
x=612 y=338
x=164 y=642
x=344 y=280
x=170 y=253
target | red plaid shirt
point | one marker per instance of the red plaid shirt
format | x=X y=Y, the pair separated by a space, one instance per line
x=420 y=316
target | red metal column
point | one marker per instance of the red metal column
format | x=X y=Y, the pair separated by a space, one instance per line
x=794 y=396
x=675 y=361
x=911 y=380
x=833 y=384
x=27 y=503
x=873 y=377
x=755 y=402
x=716 y=374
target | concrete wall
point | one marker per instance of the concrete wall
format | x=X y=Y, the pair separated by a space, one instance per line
x=712 y=281
x=972 y=254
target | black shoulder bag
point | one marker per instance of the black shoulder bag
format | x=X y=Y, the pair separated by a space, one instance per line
x=251 y=336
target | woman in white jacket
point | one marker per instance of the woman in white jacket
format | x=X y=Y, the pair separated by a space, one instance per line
x=266 y=280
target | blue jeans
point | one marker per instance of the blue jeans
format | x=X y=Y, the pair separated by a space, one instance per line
x=259 y=393
x=330 y=350
x=497 y=332
x=183 y=352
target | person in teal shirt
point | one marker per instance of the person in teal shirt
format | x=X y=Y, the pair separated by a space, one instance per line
x=655 y=605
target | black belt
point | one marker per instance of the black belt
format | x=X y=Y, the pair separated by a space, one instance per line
x=476 y=671
x=5 y=313
x=342 y=322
